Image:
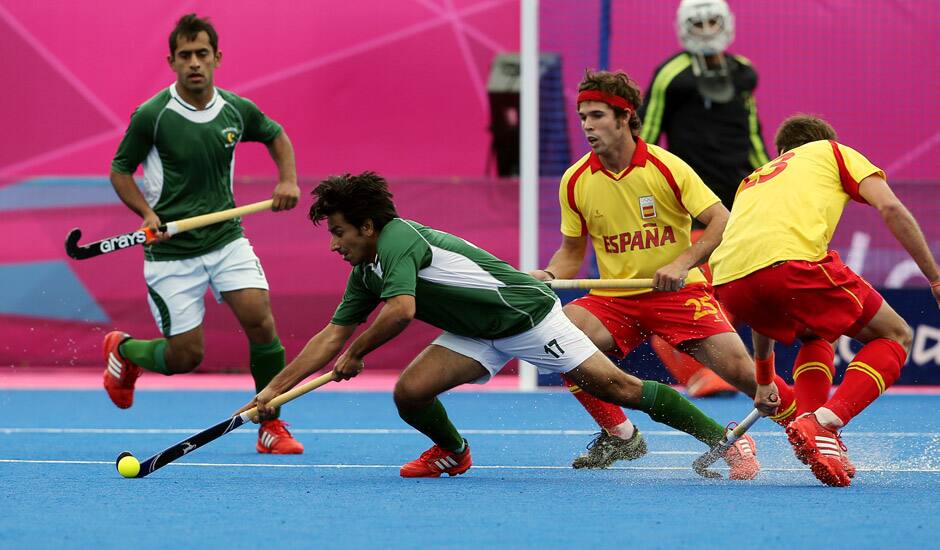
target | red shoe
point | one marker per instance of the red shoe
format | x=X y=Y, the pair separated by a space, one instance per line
x=846 y=463
x=820 y=448
x=436 y=461
x=273 y=438
x=705 y=383
x=742 y=458
x=120 y=374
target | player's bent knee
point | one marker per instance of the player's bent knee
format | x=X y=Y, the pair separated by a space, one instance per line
x=905 y=335
x=409 y=395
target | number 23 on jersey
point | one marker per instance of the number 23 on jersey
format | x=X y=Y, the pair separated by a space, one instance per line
x=766 y=172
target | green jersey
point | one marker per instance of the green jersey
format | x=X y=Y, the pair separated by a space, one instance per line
x=457 y=286
x=188 y=157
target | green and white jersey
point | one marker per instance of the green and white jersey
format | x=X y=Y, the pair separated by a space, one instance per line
x=189 y=159
x=457 y=286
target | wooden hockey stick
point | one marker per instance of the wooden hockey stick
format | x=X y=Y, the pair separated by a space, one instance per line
x=600 y=283
x=145 y=236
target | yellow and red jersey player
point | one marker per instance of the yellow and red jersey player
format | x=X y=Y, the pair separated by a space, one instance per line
x=635 y=203
x=774 y=271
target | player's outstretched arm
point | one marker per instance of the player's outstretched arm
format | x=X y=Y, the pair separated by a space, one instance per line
x=395 y=316
x=286 y=193
x=903 y=226
x=566 y=261
x=320 y=350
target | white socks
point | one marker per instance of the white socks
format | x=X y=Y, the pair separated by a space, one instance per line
x=828 y=418
x=623 y=431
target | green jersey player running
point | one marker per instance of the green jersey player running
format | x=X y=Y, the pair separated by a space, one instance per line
x=185 y=137
x=489 y=311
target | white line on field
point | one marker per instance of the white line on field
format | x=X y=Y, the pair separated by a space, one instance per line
x=408 y=431
x=475 y=466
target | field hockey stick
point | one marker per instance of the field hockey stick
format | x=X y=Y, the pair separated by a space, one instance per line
x=209 y=435
x=146 y=235
x=599 y=283
x=701 y=464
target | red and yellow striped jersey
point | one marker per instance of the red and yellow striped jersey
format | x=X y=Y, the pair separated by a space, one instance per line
x=640 y=219
x=789 y=208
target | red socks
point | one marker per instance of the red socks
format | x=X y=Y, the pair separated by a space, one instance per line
x=786 y=412
x=607 y=415
x=680 y=365
x=812 y=374
x=876 y=366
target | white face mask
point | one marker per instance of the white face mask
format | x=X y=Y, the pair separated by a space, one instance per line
x=705 y=26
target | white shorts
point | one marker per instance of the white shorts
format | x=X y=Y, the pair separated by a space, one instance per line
x=554 y=345
x=176 y=289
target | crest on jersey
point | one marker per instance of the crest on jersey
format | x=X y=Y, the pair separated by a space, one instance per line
x=230 y=136
x=647 y=207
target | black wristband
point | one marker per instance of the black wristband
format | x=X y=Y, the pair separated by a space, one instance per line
x=550 y=274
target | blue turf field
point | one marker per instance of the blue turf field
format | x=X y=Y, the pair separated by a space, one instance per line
x=60 y=487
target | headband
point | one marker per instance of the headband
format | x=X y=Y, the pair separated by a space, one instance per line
x=604 y=97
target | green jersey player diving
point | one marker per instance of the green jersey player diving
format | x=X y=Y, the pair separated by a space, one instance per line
x=490 y=313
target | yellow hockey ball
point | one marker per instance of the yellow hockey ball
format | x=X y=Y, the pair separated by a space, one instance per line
x=127 y=465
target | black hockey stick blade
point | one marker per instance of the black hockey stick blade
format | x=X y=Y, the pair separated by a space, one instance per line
x=104 y=246
x=190 y=444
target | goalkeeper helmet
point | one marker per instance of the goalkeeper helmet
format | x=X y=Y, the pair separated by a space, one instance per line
x=705 y=26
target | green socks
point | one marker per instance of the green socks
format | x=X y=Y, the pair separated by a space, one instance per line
x=266 y=361
x=665 y=405
x=147 y=354
x=432 y=421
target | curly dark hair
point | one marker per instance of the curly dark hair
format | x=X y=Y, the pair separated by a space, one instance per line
x=801 y=129
x=618 y=84
x=189 y=26
x=357 y=198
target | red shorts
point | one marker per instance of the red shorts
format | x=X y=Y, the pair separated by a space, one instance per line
x=788 y=299
x=688 y=314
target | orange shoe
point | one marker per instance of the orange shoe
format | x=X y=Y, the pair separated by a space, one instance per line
x=705 y=383
x=822 y=449
x=742 y=458
x=120 y=374
x=436 y=461
x=273 y=438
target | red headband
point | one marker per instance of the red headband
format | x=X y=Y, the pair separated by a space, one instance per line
x=604 y=97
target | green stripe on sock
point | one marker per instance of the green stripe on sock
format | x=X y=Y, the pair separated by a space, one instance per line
x=266 y=361
x=432 y=421
x=667 y=406
x=147 y=354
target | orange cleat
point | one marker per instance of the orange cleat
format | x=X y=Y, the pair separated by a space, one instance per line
x=273 y=438
x=120 y=374
x=822 y=449
x=705 y=383
x=742 y=458
x=436 y=461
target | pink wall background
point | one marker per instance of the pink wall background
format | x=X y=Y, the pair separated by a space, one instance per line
x=396 y=87
x=399 y=87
